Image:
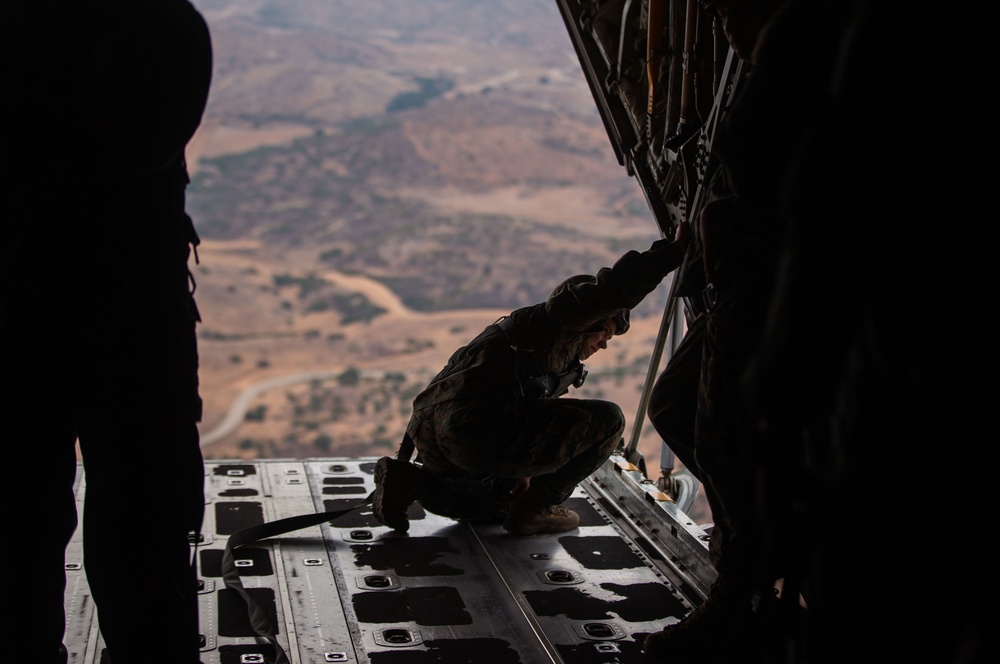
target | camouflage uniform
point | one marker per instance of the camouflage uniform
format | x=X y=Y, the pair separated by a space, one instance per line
x=476 y=430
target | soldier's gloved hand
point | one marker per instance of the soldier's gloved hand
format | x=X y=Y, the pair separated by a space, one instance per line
x=520 y=486
x=672 y=249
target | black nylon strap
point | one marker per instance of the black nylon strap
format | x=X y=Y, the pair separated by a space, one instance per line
x=406 y=447
x=258 y=617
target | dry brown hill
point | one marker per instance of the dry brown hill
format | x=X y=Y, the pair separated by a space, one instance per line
x=374 y=182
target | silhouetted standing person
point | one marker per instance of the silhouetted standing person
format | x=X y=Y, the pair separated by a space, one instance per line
x=696 y=405
x=855 y=360
x=97 y=321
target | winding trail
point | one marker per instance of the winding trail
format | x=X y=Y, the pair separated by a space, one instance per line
x=237 y=410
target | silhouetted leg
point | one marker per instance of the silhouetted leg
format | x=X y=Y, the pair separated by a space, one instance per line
x=36 y=491
x=143 y=463
x=673 y=401
x=561 y=442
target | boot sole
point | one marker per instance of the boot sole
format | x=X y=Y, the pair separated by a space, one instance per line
x=387 y=513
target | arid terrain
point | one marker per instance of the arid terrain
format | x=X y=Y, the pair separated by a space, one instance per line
x=374 y=183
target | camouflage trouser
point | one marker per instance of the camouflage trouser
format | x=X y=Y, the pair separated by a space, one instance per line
x=673 y=401
x=674 y=412
x=698 y=408
x=556 y=442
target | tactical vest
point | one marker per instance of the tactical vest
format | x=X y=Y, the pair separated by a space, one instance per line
x=531 y=380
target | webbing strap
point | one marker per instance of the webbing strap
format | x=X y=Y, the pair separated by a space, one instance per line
x=406 y=448
x=259 y=620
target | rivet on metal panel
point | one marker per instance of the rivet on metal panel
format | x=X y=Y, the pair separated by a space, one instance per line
x=312 y=562
x=244 y=563
x=539 y=556
x=378 y=582
x=560 y=577
x=235 y=472
x=397 y=636
x=335 y=657
x=601 y=631
x=598 y=629
x=73 y=567
x=252 y=658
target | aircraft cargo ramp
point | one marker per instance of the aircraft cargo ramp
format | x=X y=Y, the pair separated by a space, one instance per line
x=351 y=590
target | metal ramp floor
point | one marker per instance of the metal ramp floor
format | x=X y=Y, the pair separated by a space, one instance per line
x=352 y=590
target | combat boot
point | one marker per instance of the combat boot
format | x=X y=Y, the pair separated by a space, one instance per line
x=714 y=632
x=397 y=485
x=527 y=517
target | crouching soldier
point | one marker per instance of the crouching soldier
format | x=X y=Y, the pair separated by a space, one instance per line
x=493 y=440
